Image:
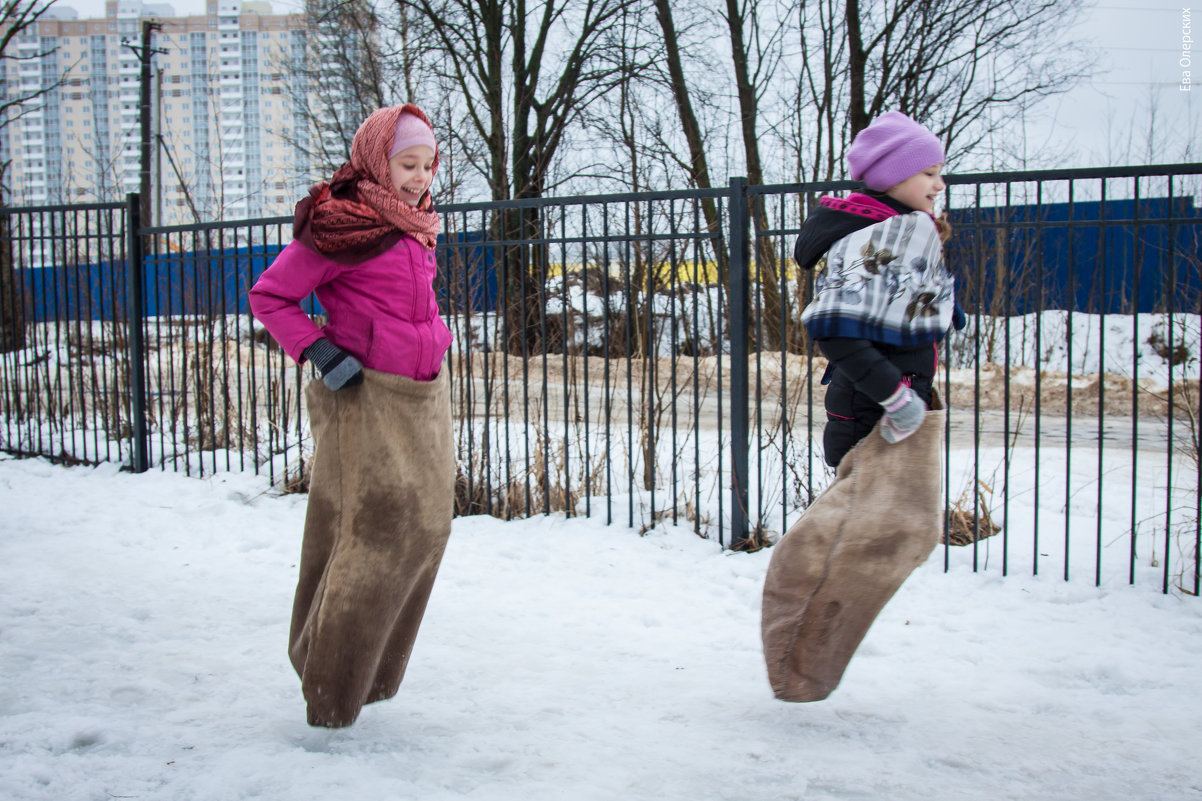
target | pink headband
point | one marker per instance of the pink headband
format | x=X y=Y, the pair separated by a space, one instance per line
x=411 y=130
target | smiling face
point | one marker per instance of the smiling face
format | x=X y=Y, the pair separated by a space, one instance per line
x=920 y=190
x=412 y=171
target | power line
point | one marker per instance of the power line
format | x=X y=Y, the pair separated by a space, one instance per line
x=1130 y=8
x=1146 y=84
x=1144 y=49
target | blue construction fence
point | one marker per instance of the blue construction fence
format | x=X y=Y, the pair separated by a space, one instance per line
x=205 y=282
x=216 y=282
x=1117 y=257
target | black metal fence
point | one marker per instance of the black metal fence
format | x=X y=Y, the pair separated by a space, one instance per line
x=1073 y=392
x=641 y=357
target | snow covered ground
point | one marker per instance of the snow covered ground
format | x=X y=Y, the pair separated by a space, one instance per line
x=143 y=622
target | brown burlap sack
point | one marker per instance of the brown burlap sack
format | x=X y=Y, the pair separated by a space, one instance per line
x=378 y=519
x=834 y=570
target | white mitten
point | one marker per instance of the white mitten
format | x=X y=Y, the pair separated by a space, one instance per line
x=904 y=411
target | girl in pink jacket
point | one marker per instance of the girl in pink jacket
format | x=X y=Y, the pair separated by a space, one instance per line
x=382 y=476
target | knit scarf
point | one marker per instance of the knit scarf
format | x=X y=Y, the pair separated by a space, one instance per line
x=357 y=214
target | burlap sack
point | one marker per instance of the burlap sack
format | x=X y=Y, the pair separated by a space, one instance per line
x=378 y=519
x=834 y=570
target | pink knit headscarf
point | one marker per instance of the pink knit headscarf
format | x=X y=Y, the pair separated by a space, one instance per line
x=359 y=208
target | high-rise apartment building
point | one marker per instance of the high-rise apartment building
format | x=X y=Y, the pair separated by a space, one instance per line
x=224 y=105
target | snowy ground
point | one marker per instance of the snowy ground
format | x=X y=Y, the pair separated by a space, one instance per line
x=143 y=622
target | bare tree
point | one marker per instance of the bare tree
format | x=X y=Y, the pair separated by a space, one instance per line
x=818 y=104
x=756 y=48
x=947 y=63
x=201 y=167
x=339 y=79
x=523 y=76
x=357 y=56
x=697 y=167
x=17 y=18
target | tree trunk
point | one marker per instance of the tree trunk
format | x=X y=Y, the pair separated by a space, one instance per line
x=856 y=62
x=698 y=164
x=767 y=273
x=494 y=31
x=12 y=311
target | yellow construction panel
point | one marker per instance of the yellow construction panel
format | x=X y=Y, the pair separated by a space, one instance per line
x=686 y=272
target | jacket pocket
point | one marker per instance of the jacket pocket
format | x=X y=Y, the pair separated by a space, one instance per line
x=353 y=334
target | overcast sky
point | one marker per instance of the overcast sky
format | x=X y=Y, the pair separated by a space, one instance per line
x=1139 y=47
x=1106 y=120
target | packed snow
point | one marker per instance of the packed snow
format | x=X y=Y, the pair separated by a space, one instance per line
x=144 y=621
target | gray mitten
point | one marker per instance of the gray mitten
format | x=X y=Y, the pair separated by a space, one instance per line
x=337 y=367
x=904 y=411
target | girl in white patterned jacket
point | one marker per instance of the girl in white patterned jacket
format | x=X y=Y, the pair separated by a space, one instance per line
x=883 y=298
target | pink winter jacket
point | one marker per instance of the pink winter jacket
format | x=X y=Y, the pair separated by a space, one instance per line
x=381 y=310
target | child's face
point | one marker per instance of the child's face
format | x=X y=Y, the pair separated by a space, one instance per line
x=412 y=171
x=920 y=189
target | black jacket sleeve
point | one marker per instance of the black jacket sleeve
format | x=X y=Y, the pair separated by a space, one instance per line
x=865 y=366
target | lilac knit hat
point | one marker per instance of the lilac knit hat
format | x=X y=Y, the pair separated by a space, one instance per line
x=891 y=149
x=411 y=130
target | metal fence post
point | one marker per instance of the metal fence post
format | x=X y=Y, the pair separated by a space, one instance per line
x=135 y=319
x=740 y=250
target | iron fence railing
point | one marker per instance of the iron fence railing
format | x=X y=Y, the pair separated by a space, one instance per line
x=64 y=333
x=1073 y=392
x=641 y=357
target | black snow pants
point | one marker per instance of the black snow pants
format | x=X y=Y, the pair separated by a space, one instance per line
x=861 y=375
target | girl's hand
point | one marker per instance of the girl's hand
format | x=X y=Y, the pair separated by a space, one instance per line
x=338 y=368
x=904 y=412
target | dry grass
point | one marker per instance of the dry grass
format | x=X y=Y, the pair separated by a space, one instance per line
x=969 y=519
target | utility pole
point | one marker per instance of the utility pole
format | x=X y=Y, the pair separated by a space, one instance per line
x=158 y=150
x=138 y=215
x=144 y=54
